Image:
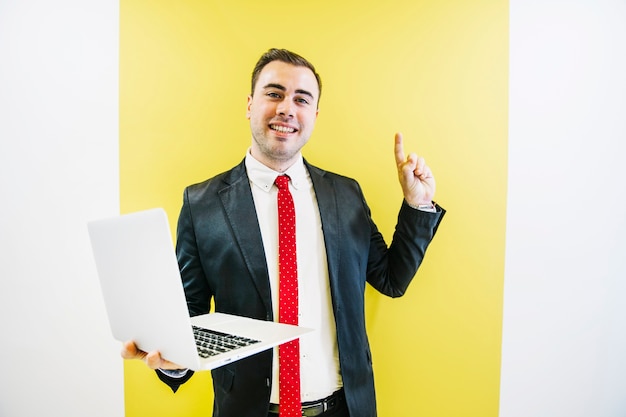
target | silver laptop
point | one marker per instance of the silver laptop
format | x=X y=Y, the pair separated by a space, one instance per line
x=145 y=301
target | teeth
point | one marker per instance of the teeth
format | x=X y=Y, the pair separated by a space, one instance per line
x=283 y=129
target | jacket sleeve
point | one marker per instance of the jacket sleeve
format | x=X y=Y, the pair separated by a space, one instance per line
x=197 y=290
x=391 y=269
x=174 y=382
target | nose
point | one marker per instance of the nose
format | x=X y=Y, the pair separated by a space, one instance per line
x=285 y=108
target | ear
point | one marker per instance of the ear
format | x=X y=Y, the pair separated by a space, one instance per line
x=248 y=107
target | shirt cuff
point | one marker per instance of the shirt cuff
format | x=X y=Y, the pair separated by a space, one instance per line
x=174 y=373
x=430 y=208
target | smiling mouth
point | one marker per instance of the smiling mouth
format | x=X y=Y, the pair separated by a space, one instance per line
x=282 y=129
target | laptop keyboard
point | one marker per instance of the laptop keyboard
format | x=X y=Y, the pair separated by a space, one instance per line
x=211 y=343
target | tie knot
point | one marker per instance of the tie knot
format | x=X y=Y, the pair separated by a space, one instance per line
x=282 y=182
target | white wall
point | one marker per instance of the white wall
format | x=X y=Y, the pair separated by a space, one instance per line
x=564 y=344
x=58 y=168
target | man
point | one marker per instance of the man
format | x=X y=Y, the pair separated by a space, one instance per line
x=227 y=247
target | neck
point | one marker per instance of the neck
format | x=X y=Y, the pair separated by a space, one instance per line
x=278 y=165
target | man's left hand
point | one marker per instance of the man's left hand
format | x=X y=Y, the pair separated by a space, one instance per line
x=416 y=178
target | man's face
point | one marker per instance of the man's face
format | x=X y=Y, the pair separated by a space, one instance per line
x=282 y=113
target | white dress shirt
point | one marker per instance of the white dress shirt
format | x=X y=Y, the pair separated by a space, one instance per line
x=319 y=357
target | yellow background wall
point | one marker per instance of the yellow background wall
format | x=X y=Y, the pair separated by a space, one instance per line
x=436 y=70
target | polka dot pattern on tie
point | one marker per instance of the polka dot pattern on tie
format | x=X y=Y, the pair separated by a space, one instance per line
x=288 y=353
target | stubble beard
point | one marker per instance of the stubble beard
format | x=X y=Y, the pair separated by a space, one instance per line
x=273 y=152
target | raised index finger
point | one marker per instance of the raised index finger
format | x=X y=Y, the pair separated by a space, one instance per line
x=399 y=149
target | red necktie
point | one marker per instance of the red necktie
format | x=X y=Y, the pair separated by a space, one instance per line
x=288 y=353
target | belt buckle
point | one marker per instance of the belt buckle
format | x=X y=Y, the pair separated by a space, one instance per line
x=319 y=408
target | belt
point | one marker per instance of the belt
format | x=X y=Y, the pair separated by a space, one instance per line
x=315 y=408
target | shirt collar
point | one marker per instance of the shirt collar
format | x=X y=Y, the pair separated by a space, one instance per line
x=263 y=177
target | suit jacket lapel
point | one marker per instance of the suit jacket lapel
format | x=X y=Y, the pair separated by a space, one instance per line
x=236 y=198
x=329 y=214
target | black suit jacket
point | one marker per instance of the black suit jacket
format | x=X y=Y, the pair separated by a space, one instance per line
x=221 y=257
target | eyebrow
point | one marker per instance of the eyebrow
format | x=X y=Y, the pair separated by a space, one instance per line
x=282 y=88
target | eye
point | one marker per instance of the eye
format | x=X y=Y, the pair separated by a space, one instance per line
x=302 y=100
x=272 y=94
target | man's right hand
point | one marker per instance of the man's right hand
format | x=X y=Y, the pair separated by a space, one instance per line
x=152 y=359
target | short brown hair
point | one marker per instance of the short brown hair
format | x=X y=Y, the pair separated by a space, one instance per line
x=288 y=57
